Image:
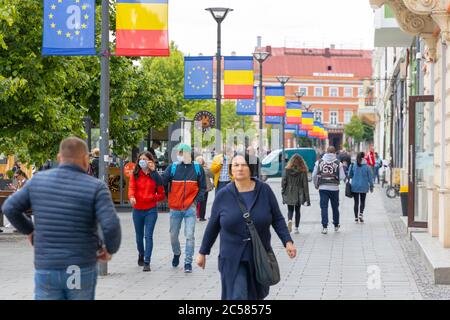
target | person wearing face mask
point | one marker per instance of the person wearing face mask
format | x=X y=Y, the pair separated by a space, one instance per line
x=187 y=187
x=144 y=192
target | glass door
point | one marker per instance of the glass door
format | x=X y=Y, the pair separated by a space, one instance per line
x=420 y=163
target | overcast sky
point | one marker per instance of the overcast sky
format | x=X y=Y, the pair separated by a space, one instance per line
x=280 y=23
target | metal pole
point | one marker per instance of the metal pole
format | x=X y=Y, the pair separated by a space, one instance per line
x=219 y=76
x=261 y=151
x=283 y=119
x=104 y=108
x=121 y=181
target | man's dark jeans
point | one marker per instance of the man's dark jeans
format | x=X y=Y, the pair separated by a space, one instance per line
x=333 y=197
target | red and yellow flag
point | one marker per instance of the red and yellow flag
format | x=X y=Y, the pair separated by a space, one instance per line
x=142 y=28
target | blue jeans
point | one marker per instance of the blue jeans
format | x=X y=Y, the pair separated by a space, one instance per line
x=376 y=174
x=333 y=197
x=176 y=218
x=144 y=224
x=72 y=284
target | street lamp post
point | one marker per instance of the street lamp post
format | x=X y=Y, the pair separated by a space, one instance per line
x=283 y=80
x=260 y=57
x=219 y=15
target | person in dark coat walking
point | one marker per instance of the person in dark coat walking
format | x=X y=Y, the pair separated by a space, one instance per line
x=360 y=175
x=236 y=263
x=294 y=189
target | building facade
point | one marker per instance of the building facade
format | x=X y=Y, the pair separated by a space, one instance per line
x=332 y=82
x=416 y=109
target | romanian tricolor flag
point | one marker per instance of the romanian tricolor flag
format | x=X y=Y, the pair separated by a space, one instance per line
x=307 y=121
x=275 y=101
x=293 y=113
x=317 y=130
x=142 y=28
x=238 y=78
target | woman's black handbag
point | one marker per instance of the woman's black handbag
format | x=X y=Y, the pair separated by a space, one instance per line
x=266 y=265
x=348 y=190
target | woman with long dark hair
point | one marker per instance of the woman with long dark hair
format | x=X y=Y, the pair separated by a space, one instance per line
x=144 y=192
x=294 y=189
x=361 y=180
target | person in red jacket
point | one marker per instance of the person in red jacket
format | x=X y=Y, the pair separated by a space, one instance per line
x=144 y=192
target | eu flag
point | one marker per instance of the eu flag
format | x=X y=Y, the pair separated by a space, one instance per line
x=273 y=119
x=69 y=28
x=198 y=77
x=247 y=107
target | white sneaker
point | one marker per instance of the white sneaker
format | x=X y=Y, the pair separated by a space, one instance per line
x=324 y=231
x=290 y=226
x=336 y=228
x=296 y=231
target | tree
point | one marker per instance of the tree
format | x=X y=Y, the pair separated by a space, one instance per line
x=355 y=129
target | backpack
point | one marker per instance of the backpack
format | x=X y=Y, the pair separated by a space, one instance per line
x=175 y=164
x=328 y=172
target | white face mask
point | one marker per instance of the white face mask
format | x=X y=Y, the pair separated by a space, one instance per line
x=180 y=158
x=143 y=164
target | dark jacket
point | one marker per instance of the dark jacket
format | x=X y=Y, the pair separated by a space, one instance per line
x=294 y=187
x=226 y=219
x=186 y=188
x=67 y=204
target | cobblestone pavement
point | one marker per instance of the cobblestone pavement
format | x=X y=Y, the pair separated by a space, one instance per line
x=373 y=260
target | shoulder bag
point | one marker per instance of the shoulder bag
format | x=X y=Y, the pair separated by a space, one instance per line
x=266 y=265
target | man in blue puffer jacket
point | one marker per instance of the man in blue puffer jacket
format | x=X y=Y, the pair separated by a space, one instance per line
x=69 y=208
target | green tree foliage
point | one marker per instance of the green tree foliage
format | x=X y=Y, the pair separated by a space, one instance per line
x=355 y=129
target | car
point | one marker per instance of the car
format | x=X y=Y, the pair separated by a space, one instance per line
x=271 y=164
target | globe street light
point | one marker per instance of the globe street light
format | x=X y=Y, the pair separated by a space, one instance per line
x=299 y=95
x=260 y=57
x=283 y=80
x=219 y=15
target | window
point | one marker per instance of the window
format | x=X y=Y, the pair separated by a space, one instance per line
x=334 y=92
x=303 y=90
x=318 y=115
x=348 y=92
x=333 y=117
x=348 y=116
x=360 y=92
x=318 y=92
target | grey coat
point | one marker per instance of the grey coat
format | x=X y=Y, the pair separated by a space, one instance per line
x=294 y=187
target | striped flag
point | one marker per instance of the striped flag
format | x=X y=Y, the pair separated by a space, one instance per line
x=275 y=101
x=142 y=28
x=307 y=121
x=293 y=113
x=238 y=78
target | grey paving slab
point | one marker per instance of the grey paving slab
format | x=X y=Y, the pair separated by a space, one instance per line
x=329 y=267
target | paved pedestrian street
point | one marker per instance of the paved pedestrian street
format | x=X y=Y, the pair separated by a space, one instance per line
x=361 y=261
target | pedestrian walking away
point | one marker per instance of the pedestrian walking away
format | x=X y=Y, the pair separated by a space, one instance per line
x=376 y=169
x=187 y=186
x=209 y=187
x=360 y=176
x=144 y=192
x=327 y=174
x=71 y=211
x=236 y=263
x=294 y=189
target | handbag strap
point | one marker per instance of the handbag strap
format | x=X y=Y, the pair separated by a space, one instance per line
x=245 y=212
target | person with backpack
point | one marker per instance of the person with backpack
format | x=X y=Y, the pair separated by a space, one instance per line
x=361 y=182
x=327 y=174
x=187 y=186
x=294 y=189
x=144 y=192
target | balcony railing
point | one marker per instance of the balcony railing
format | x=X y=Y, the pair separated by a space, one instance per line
x=369 y=102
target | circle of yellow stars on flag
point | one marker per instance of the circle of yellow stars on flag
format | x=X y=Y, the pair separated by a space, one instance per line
x=59 y=32
x=204 y=80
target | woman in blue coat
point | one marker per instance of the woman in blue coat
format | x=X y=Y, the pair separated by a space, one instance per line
x=361 y=181
x=236 y=264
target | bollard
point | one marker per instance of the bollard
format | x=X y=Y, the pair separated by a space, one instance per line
x=404 y=200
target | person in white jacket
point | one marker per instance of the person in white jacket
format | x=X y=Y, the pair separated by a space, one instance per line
x=327 y=175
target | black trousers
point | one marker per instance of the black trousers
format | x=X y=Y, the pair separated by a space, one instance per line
x=357 y=197
x=203 y=206
x=297 y=214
